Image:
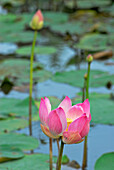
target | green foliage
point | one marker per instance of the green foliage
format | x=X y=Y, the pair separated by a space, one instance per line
x=105 y=162
x=65 y=159
x=19 y=141
x=16 y=107
x=18 y=71
x=101 y=108
x=76 y=78
x=8 y=152
x=26 y=50
x=29 y=162
x=12 y=124
x=94 y=42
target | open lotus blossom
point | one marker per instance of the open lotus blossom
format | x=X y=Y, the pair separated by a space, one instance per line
x=37 y=21
x=72 y=123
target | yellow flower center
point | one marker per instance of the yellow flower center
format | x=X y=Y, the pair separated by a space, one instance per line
x=69 y=121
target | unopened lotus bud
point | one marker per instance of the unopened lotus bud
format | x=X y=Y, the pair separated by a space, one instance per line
x=37 y=21
x=89 y=58
x=85 y=76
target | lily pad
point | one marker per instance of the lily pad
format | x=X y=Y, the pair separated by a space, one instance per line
x=105 y=162
x=71 y=27
x=55 y=18
x=17 y=107
x=26 y=50
x=94 y=42
x=12 y=124
x=18 y=70
x=92 y=3
x=29 y=162
x=101 y=108
x=8 y=153
x=75 y=78
x=20 y=141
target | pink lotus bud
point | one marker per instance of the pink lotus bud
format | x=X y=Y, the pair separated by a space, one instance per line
x=89 y=58
x=37 y=21
x=70 y=122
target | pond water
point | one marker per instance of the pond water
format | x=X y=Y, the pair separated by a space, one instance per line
x=99 y=141
x=100 y=137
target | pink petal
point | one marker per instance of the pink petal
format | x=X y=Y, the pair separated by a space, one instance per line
x=39 y=14
x=86 y=107
x=57 y=121
x=85 y=129
x=47 y=132
x=74 y=112
x=78 y=124
x=71 y=137
x=43 y=111
x=47 y=103
x=66 y=104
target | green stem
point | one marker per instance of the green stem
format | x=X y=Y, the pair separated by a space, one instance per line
x=84 y=164
x=51 y=153
x=58 y=167
x=83 y=90
x=31 y=83
x=88 y=75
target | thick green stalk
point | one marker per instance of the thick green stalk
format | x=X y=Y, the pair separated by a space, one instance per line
x=31 y=83
x=84 y=164
x=58 y=167
x=51 y=153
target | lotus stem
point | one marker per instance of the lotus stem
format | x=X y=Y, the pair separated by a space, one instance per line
x=58 y=167
x=58 y=145
x=31 y=83
x=84 y=164
x=51 y=153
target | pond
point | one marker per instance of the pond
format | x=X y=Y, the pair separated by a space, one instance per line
x=56 y=61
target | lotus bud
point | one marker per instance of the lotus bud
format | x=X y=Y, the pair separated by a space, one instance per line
x=37 y=21
x=89 y=58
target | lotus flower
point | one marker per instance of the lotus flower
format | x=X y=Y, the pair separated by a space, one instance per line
x=37 y=21
x=72 y=123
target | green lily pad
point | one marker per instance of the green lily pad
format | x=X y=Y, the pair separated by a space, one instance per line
x=72 y=27
x=64 y=160
x=101 y=107
x=12 y=124
x=94 y=42
x=52 y=18
x=20 y=141
x=8 y=153
x=92 y=3
x=18 y=37
x=17 y=107
x=25 y=51
x=13 y=69
x=105 y=162
x=108 y=9
x=75 y=78
x=29 y=162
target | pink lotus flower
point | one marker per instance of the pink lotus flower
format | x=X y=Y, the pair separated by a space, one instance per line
x=37 y=21
x=70 y=122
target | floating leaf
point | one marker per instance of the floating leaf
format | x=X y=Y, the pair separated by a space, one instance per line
x=76 y=78
x=94 y=42
x=17 y=107
x=12 y=124
x=20 y=141
x=26 y=50
x=105 y=162
x=101 y=108
x=92 y=3
x=8 y=152
x=29 y=162
x=13 y=69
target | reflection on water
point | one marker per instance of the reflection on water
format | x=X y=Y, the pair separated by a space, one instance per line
x=99 y=141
